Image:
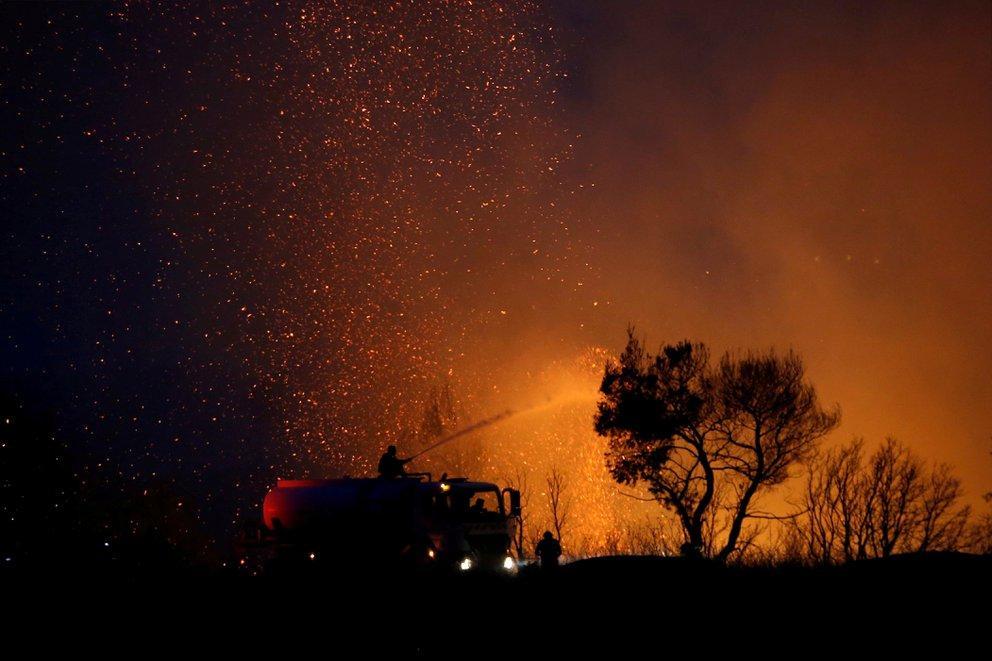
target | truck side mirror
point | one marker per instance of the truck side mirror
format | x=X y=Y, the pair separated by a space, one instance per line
x=514 y=502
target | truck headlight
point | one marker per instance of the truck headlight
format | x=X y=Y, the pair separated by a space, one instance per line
x=509 y=564
x=465 y=564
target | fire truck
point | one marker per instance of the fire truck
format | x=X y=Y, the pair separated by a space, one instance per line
x=409 y=521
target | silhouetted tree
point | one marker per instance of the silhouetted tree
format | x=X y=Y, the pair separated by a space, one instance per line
x=980 y=534
x=833 y=521
x=559 y=505
x=891 y=502
x=651 y=538
x=441 y=416
x=705 y=440
x=942 y=525
x=558 y=513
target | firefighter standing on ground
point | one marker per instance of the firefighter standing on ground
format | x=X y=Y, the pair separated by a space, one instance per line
x=548 y=550
x=390 y=465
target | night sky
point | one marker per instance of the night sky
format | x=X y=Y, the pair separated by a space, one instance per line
x=244 y=241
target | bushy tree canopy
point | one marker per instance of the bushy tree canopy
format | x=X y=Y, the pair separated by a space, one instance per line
x=706 y=439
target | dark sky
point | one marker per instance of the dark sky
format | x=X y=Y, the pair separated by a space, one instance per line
x=241 y=242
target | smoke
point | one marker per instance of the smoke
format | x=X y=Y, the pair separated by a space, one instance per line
x=799 y=175
x=274 y=256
